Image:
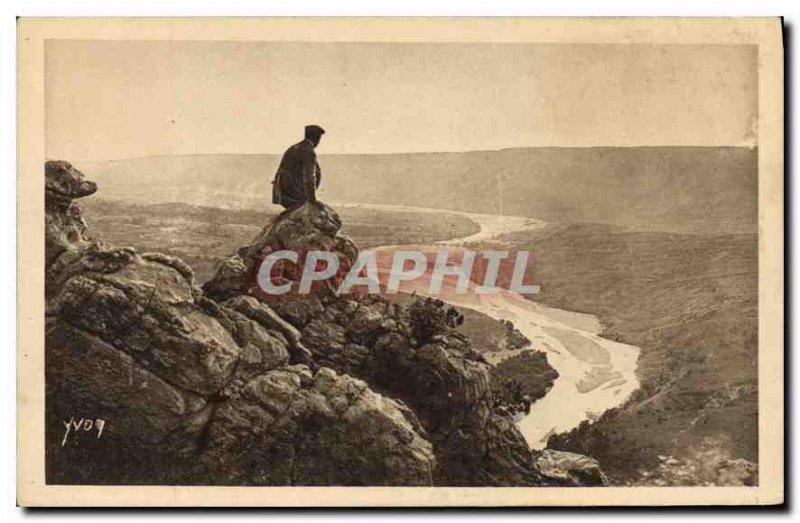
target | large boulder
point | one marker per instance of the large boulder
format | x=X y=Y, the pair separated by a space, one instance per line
x=307 y=228
x=64 y=227
x=568 y=469
x=108 y=418
x=292 y=427
x=143 y=406
x=414 y=355
x=147 y=310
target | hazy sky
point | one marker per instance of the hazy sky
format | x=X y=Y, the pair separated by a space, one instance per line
x=120 y=99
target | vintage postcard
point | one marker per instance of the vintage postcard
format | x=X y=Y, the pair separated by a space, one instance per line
x=400 y=262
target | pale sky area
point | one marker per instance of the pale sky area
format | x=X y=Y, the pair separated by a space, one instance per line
x=123 y=99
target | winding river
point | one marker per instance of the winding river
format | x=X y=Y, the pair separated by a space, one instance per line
x=594 y=374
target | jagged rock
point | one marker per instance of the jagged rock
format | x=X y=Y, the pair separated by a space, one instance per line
x=289 y=427
x=262 y=349
x=326 y=339
x=707 y=462
x=148 y=310
x=97 y=257
x=449 y=391
x=411 y=353
x=64 y=226
x=194 y=391
x=738 y=472
x=310 y=226
x=432 y=318
x=369 y=321
x=88 y=383
x=264 y=315
x=62 y=181
x=567 y=469
x=514 y=338
x=307 y=228
x=231 y=279
x=138 y=405
x=521 y=379
x=299 y=310
x=172 y=261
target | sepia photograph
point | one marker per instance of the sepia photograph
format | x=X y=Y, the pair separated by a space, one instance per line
x=514 y=262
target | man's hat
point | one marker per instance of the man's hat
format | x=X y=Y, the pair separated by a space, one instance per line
x=314 y=130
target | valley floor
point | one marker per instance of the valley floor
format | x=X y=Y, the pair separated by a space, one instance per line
x=690 y=302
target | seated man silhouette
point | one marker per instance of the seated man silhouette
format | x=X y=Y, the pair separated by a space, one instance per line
x=299 y=174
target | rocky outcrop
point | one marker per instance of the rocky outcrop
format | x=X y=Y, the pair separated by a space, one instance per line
x=520 y=380
x=514 y=338
x=567 y=469
x=64 y=226
x=218 y=385
x=413 y=354
x=292 y=427
x=148 y=310
x=189 y=390
x=410 y=353
x=311 y=227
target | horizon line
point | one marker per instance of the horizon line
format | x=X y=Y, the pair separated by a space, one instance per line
x=504 y=149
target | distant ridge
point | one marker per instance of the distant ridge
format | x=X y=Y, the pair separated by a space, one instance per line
x=420 y=153
x=679 y=189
